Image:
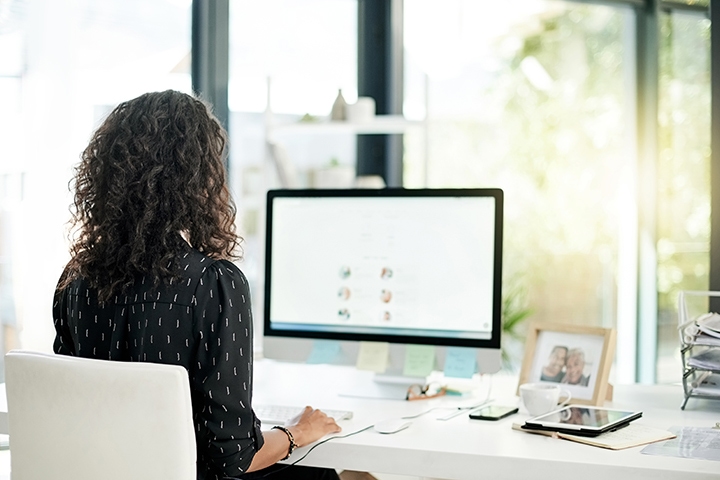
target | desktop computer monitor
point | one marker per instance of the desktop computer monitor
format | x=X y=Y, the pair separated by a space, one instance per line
x=404 y=266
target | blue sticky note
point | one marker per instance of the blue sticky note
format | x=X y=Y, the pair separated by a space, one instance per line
x=460 y=362
x=324 y=351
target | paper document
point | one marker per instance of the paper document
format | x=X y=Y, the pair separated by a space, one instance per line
x=709 y=324
x=702 y=339
x=631 y=436
x=708 y=360
x=698 y=443
x=705 y=330
x=708 y=384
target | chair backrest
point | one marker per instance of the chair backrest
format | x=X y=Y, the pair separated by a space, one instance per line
x=82 y=419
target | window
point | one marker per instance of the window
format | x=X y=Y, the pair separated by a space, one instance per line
x=288 y=59
x=63 y=67
x=531 y=96
x=683 y=174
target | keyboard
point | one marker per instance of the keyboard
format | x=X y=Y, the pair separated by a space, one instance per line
x=279 y=414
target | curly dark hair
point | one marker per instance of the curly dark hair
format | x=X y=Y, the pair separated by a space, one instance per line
x=152 y=174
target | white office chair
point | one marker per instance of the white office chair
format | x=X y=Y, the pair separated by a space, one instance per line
x=79 y=419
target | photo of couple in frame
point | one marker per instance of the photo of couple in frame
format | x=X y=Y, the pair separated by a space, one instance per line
x=576 y=357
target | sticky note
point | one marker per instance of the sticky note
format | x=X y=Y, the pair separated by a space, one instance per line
x=419 y=360
x=460 y=362
x=373 y=356
x=324 y=351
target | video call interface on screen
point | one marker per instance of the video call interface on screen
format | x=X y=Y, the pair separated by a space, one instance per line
x=388 y=265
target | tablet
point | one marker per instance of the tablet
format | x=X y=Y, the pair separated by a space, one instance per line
x=582 y=420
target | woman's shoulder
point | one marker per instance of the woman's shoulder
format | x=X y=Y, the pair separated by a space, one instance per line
x=212 y=269
x=222 y=288
x=197 y=272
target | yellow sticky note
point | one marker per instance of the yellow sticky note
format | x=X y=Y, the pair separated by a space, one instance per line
x=373 y=356
x=419 y=360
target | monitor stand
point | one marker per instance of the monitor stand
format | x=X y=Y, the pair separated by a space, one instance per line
x=386 y=386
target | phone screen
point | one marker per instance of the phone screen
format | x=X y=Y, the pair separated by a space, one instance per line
x=493 y=412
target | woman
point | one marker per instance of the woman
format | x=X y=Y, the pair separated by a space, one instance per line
x=574 y=368
x=554 y=369
x=150 y=278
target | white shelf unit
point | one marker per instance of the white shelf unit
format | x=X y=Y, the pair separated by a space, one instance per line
x=275 y=131
x=380 y=124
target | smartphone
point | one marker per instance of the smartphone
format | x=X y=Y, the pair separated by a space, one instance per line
x=492 y=412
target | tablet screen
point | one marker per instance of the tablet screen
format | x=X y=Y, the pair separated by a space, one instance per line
x=584 y=417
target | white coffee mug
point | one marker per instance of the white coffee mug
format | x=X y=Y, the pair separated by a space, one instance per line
x=540 y=398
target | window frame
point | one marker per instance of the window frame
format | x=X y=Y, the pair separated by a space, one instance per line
x=210 y=44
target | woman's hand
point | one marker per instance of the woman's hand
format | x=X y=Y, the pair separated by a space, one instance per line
x=307 y=427
x=311 y=425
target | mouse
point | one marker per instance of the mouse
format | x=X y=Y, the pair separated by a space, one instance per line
x=392 y=425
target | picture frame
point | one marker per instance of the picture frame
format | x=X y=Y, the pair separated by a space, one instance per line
x=575 y=357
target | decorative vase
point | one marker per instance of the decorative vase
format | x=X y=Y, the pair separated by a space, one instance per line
x=338 y=108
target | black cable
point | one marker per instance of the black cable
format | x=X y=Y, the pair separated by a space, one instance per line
x=313 y=448
x=331 y=438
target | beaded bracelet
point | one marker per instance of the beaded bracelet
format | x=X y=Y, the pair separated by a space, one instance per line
x=293 y=445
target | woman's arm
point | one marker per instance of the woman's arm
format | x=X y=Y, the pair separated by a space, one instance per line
x=228 y=434
x=309 y=426
x=63 y=343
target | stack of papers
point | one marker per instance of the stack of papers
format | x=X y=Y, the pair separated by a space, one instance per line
x=690 y=442
x=707 y=384
x=705 y=330
x=707 y=360
x=709 y=324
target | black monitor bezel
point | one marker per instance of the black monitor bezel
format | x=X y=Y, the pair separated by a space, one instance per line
x=496 y=193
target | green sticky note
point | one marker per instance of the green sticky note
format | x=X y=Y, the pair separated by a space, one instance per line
x=324 y=351
x=373 y=356
x=460 y=362
x=419 y=360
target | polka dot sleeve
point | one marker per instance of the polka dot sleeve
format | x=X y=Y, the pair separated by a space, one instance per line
x=222 y=375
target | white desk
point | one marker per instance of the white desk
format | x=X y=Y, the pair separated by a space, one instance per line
x=465 y=449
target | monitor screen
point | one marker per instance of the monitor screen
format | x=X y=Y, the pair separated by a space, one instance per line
x=391 y=265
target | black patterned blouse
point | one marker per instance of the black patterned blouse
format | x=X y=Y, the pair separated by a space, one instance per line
x=203 y=323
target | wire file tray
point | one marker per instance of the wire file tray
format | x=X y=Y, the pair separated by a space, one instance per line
x=699 y=352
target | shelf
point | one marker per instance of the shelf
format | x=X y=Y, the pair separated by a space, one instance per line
x=279 y=133
x=381 y=124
